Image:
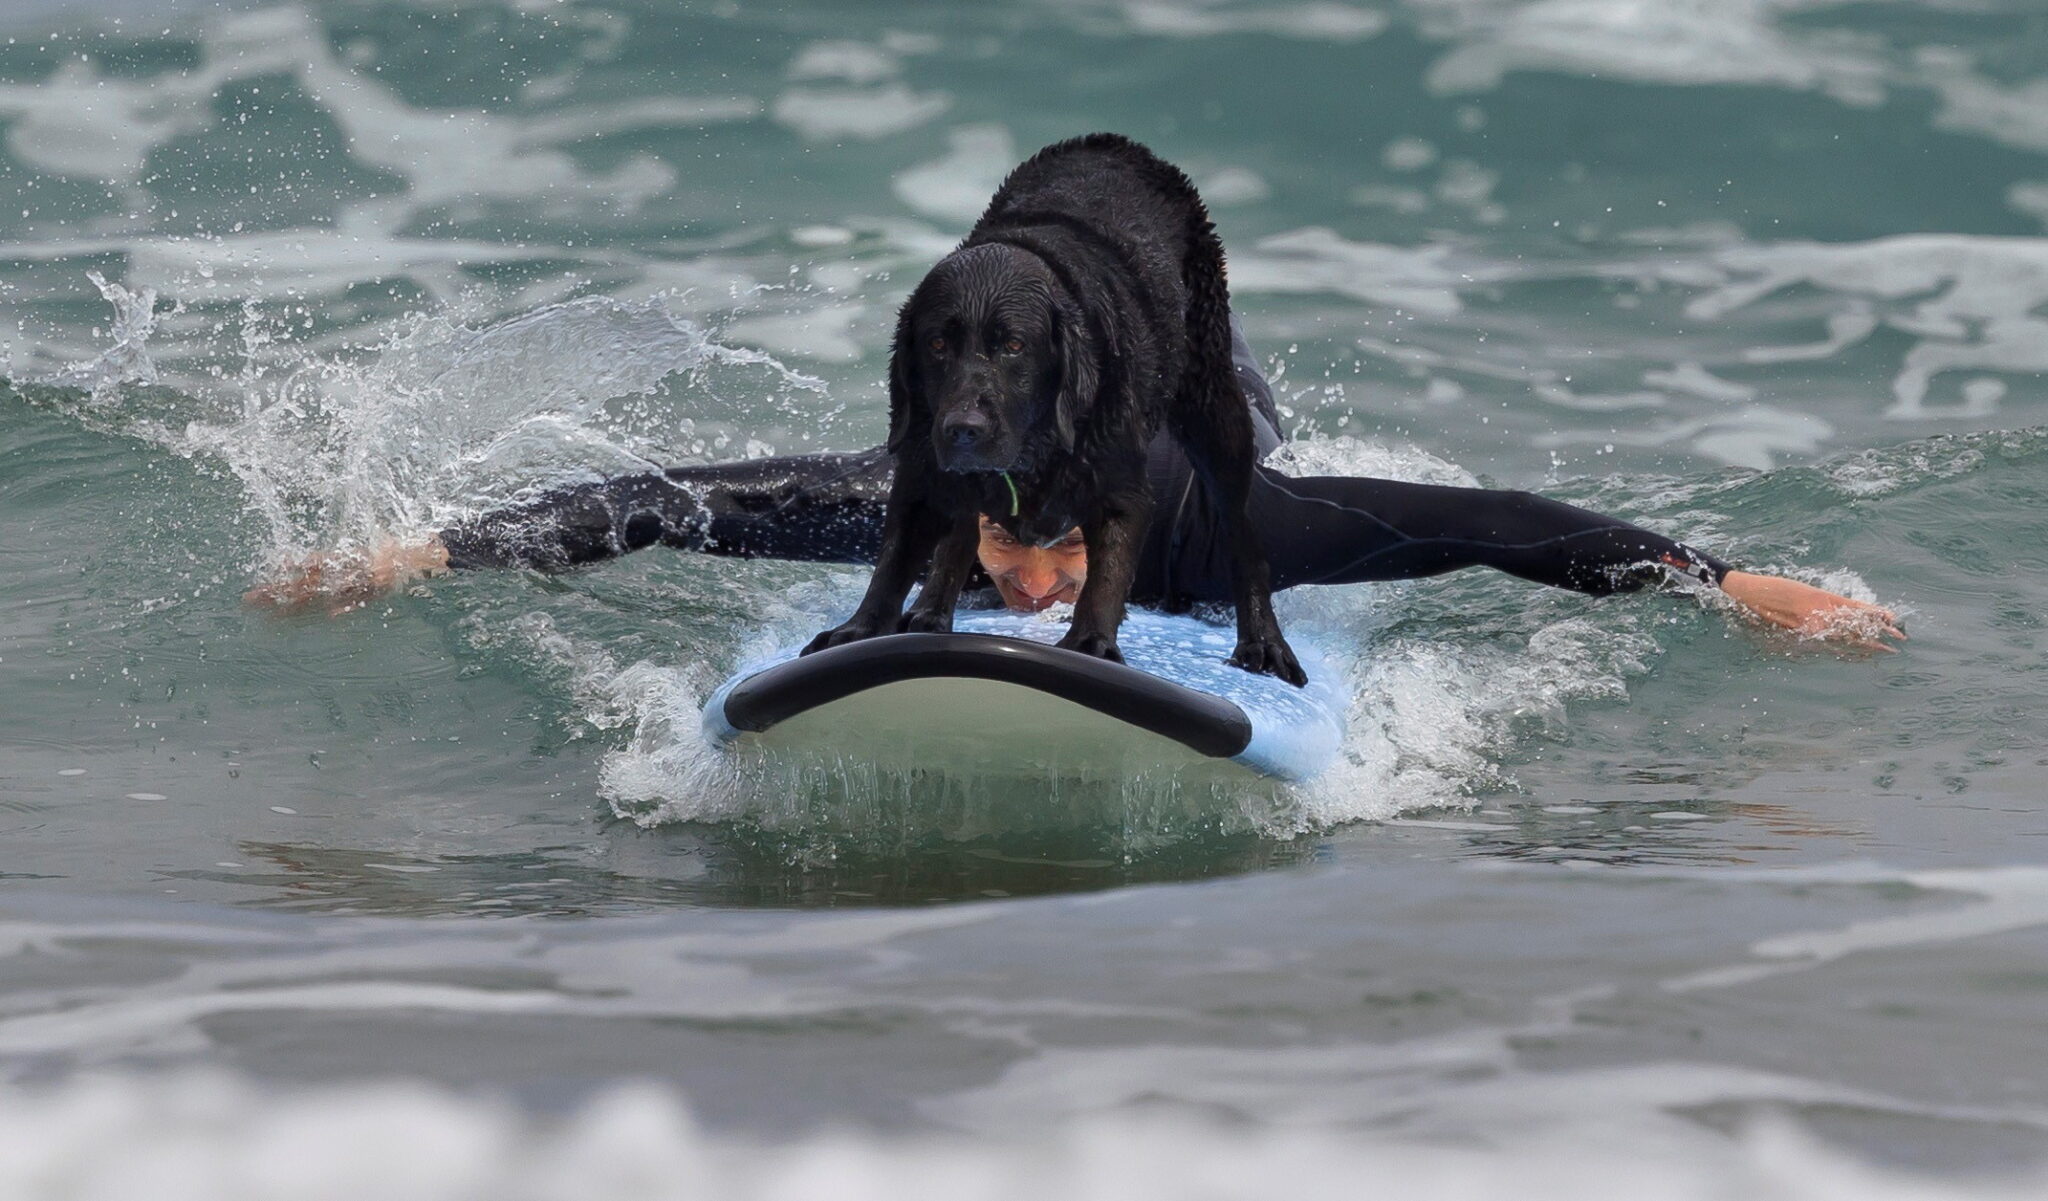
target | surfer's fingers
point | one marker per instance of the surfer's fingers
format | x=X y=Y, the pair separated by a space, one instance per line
x=1856 y=626
x=289 y=588
x=320 y=579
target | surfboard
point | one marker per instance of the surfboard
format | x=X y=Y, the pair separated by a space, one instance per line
x=995 y=697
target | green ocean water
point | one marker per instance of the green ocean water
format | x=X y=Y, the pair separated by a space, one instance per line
x=1605 y=894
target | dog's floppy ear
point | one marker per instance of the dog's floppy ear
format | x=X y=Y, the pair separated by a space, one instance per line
x=1078 y=379
x=902 y=381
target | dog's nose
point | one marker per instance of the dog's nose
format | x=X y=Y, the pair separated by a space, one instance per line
x=966 y=430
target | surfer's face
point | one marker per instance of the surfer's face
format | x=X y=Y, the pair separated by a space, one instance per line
x=1030 y=578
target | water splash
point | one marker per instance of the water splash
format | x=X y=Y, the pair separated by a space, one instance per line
x=447 y=419
x=127 y=361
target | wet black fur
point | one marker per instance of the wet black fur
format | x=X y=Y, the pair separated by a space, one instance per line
x=1097 y=260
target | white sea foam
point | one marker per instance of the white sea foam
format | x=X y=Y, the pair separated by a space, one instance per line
x=1972 y=303
x=1319 y=260
x=213 y=1136
x=1228 y=186
x=853 y=62
x=827 y=113
x=2030 y=198
x=1725 y=42
x=2010 y=898
x=2015 y=116
x=1323 y=22
x=81 y=123
x=87 y=124
x=862 y=96
x=1753 y=436
x=1695 y=380
x=955 y=187
x=1408 y=154
x=1455 y=1113
x=1659 y=41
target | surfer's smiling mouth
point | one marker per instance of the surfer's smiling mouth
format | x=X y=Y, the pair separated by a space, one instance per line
x=1019 y=595
x=1039 y=604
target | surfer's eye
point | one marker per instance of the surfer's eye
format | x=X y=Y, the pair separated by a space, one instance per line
x=1013 y=345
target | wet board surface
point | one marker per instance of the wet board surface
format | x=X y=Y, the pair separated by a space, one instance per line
x=996 y=697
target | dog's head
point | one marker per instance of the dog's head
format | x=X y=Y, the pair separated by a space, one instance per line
x=991 y=362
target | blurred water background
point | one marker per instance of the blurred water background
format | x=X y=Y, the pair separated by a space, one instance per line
x=444 y=897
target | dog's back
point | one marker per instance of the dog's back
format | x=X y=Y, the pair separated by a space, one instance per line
x=1112 y=191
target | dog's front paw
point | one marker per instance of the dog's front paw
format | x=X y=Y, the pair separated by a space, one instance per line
x=926 y=621
x=1100 y=646
x=1269 y=654
x=840 y=635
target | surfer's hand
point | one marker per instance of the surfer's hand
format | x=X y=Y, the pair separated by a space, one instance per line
x=340 y=580
x=1813 y=612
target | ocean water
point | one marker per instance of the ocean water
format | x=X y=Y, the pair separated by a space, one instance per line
x=444 y=897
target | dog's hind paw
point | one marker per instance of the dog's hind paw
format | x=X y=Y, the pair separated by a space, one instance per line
x=1100 y=646
x=1269 y=656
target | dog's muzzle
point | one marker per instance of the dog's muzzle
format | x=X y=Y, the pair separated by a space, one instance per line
x=968 y=440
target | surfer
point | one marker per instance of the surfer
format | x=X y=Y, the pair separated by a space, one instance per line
x=1316 y=530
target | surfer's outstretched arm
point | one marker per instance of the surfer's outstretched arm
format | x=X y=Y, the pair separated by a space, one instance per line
x=1339 y=530
x=817 y=508
x=820 y=508
x=1347 y=530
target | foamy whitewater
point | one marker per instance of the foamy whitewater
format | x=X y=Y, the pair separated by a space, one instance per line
x=447 y=896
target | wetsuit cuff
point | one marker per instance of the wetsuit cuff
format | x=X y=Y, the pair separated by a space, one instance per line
x=1697 y=564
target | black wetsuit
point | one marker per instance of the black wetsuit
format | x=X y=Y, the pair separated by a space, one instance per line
x=1315 y=530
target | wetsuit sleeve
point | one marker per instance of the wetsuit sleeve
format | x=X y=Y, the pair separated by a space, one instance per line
x=1345 y=530
x=820 y=508
x=1337 y=530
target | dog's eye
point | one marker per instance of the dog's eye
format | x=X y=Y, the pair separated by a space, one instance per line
x=935 y=344
x=1013 y=345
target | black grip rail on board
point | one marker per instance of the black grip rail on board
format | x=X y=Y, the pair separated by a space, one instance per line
x=1206 y=724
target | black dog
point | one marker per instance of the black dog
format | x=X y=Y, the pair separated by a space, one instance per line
x=1031 y=367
